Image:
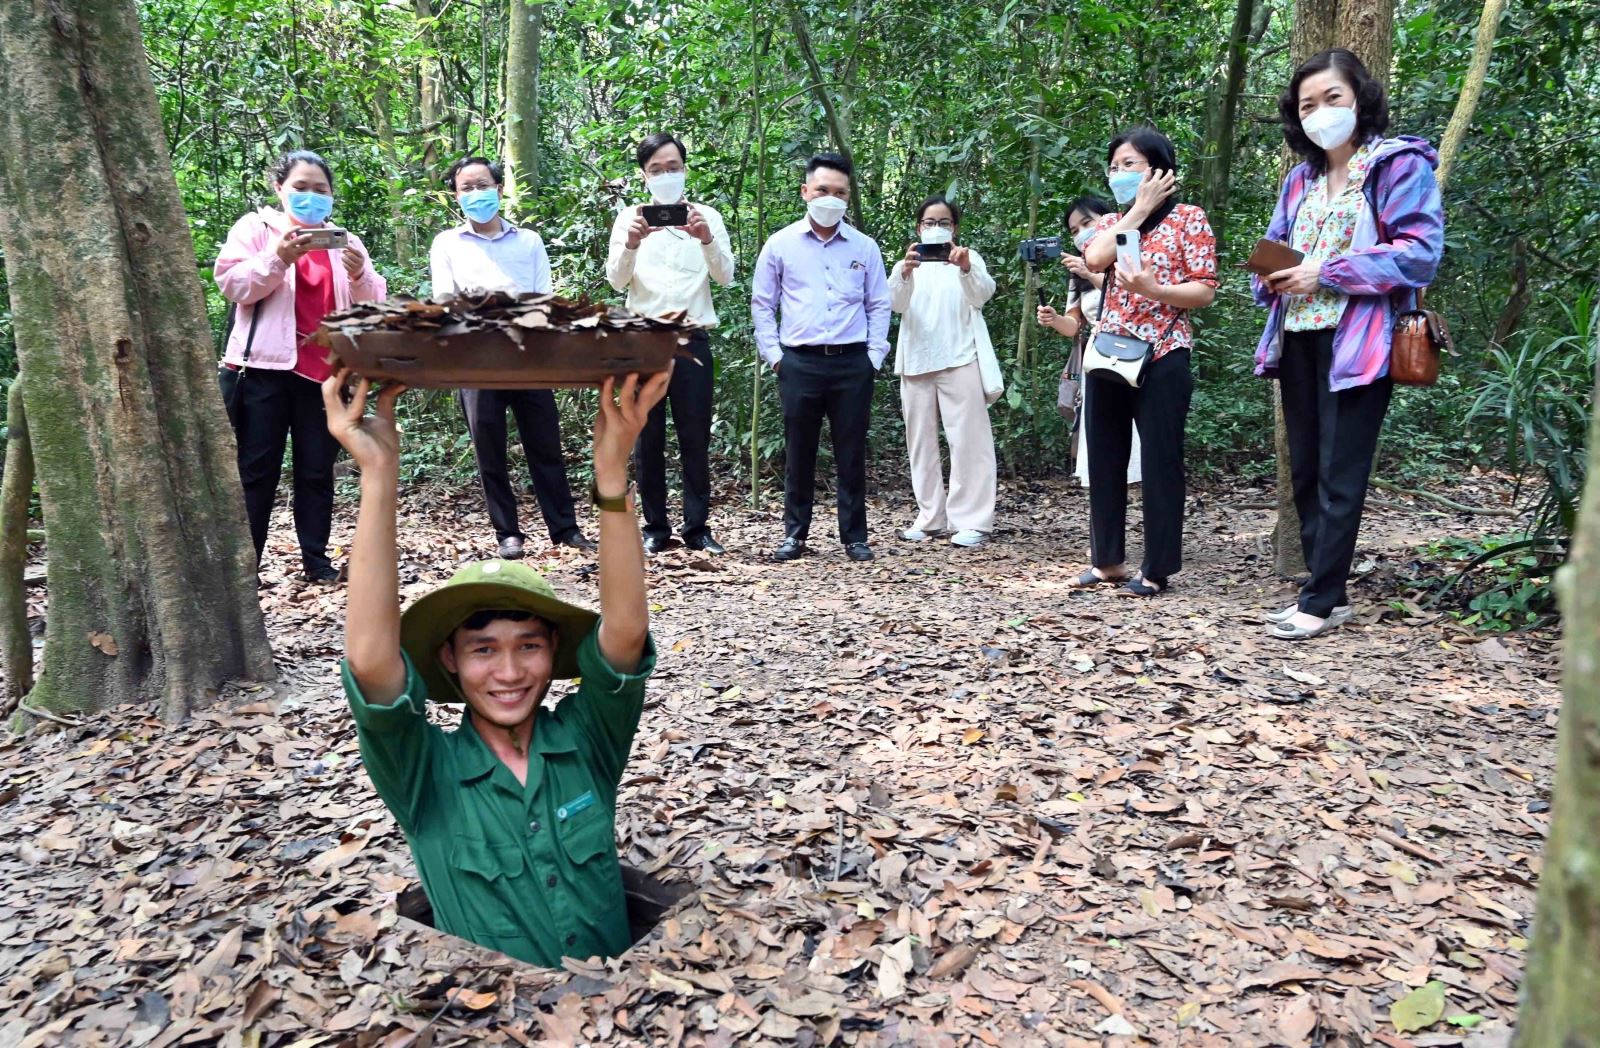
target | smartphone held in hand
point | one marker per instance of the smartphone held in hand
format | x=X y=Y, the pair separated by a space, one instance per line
x=323 y=239
x=933 y=252
x=1128 y=250
x=662 y=215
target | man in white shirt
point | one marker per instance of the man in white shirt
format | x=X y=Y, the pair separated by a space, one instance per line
x=487 y=253
x=667 y=269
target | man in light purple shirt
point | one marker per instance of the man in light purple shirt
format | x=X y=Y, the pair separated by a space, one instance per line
x=821 y=311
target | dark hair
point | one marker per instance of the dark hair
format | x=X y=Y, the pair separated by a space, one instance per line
x=473 y=161
x=479 y=619
x=939 y=198
x=1158 y=150
x=1092 y=206
x=286 y=163
x=649 y=146
x=1372 y=104
x=833 y=161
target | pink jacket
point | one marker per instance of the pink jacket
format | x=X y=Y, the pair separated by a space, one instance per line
x=250 y=273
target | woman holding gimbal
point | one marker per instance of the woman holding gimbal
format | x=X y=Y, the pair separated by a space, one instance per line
x=1160 y=261
x=1083 y=309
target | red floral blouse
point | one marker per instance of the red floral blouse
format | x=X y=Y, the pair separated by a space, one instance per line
x=1182 y=248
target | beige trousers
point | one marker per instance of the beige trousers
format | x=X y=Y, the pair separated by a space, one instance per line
x=955 y=397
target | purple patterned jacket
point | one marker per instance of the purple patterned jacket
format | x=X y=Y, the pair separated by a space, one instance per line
x=1386 y=264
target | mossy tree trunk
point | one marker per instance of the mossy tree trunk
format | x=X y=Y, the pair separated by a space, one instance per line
x=1559 y=1003
x=151 y=569
x=522 y=100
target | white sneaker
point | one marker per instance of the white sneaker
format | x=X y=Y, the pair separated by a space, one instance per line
x=969 y=538
x=917 y=535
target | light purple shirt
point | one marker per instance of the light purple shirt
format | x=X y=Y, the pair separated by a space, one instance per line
x=513 y=260
x=829 y=292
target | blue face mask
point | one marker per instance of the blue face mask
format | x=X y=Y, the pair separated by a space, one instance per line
x=480 y=205
x=311 y=209
x=1125 y=185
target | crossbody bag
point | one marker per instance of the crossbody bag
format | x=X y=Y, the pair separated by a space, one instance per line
x=1120 y=358
x=1420 y=338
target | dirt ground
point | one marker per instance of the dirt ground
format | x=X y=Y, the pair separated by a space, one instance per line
x=935 y=799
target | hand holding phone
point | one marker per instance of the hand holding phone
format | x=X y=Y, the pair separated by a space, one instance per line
x=933 y=252
x=324 y=239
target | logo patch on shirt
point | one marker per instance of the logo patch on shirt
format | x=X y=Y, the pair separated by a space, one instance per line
x=578 y=804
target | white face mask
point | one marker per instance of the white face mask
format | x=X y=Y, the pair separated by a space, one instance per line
x=666 y=188
x=937 y=235
x=825 y=210
x=1330 y=126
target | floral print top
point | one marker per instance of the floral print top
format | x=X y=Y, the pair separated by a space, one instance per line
x=1325 y=229
x=1180 y=249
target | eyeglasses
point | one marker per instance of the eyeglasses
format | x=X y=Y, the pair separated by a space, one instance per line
x=1130 y=164
x=663 y=169
x=937 y=223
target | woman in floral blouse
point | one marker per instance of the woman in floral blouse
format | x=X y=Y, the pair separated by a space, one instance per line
x=1177 y=273
x=1364 y=210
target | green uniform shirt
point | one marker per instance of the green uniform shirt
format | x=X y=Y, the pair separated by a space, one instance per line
x=531 y=870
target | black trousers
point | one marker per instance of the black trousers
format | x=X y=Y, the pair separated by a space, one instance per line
x=539 y=422
x=812 y=387
x=690 y=395
x=273 y=407
x=1161 y=408
x=1332 y=440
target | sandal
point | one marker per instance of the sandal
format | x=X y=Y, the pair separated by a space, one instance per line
x=1139 y=586
x=1089 y=579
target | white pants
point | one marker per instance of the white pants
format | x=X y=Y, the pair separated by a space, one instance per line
x=1135 y=476
x=954 y=396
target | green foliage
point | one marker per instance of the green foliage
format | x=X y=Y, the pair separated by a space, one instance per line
x=932 y=96
x=1498 y=583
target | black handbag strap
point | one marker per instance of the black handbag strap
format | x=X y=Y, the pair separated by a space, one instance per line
x=1105 y=292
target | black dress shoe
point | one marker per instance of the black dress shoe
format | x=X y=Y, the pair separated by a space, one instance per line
x=654 y=544
x=858 y=551
x=789 y=549
x=577 y=540
x=511 y=547
x=706 y=544
x=324 y=573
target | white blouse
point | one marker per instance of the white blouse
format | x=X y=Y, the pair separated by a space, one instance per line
x=941 y=322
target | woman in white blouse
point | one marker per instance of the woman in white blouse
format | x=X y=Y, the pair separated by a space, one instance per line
x=948 y=372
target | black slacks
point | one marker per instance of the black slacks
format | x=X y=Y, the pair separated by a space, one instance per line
x=539 y=422
x=812 y=387
x=1161 y=408
x=274 y=407
x=1332 y=440
x=690 y=394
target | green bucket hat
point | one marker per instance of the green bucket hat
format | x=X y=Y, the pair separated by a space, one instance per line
x=489 y=585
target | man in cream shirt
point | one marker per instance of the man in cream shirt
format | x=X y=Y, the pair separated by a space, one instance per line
x=665 y=269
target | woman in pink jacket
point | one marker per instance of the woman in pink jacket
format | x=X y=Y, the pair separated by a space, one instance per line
x=282 y=285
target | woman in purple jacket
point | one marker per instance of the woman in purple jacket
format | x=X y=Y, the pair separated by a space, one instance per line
x=1364 y=211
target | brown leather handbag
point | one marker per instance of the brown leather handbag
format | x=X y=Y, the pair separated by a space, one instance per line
x=1420 y=340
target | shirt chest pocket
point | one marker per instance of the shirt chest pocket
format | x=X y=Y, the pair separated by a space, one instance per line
x=584 y=828
x=495 y=864
x=847 y=282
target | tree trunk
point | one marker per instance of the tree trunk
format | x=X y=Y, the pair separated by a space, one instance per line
x=522 y=99
x=1367 y=28
x=1030 y=279
x=838 y=123
x=152 y=573
x=383 y=121
x=1559 y=1003
x=1471 y=88
x=16 y=491
x=757 y=68
x=430 y=91
x=1217 y=169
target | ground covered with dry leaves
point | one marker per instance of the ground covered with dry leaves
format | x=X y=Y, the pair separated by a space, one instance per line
x=936 y=799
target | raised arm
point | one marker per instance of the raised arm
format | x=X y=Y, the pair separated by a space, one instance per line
x=624 y=604
x=372 y=610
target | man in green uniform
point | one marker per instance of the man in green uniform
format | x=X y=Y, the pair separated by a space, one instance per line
x=510 y=817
